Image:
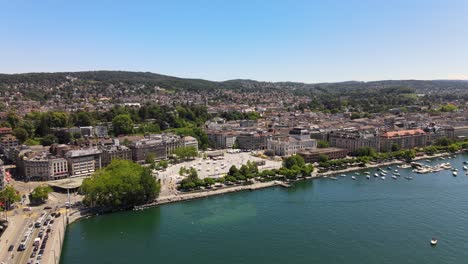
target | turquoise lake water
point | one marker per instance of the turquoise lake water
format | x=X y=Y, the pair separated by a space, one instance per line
x=319 y=221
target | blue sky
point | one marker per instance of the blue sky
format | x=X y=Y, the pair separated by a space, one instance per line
x=268 y=40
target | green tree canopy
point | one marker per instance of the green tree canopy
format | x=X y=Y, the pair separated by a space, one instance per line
x=8 y=196
x=122 y=184
x=322 y=144
x=40 y=194
x=122 y=124
x=185 y=152
x=289 y=162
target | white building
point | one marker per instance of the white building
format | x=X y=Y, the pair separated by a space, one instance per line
x=298 y=139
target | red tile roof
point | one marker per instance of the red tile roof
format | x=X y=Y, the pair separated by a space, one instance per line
x=402 y=133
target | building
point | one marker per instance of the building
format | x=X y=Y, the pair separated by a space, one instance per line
x=5 y=131
x=403 y=139
x=253 y=140
x=298 y=139
x=142 y=148
x=115 y=151
x=190 y=142
x=83 y=162
x=460 y=132
x=312 y=155
x=221 y=139
x=101 y=131
x=354 y=139
x=8 y=141
x=43 y=167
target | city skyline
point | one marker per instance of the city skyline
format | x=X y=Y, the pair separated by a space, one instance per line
x=273 y=41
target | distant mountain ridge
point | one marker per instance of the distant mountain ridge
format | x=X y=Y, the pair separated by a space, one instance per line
x=121 y=78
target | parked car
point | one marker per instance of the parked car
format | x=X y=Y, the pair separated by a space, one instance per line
x=11 y=247
x=33 y=254
x=47 y=208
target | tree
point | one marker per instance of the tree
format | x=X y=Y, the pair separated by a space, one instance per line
x=122 y=184
x=233 y=171
x=84 y=119
x=289 y=162
x=8 y=196
x=365 y=151
x=453 y=148
x=164 y=164
x=323 y=158
x=209 y=181
x=409 y=155
x=186 y=152
x=21 y=134
x=430 y=150
x=322 y=144
x=443 y=141
x=48 y=140
x=63 y=137
x=40 y=194
x=122 y=124
x=395 y=147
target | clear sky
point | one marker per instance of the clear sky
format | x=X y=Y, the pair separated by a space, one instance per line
x=268 y=40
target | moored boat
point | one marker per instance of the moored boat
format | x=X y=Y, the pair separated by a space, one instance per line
x=433 y=242
x=352 y=177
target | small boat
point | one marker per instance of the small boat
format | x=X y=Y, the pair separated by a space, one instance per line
x=343 y=175
x=334 y=178
x=376 y=175
x=465 y=167
x=428 y=161
x=408 y=178
x=383 y=174
x=433 y=242
x=465 y=162
x=367 y=173
x=368 y=177
x=396 y=174
x=352 y=177
x=357 y=173
x=389 y=167
x=383 y=177
x=394 y=177
x=395 y=170
x=455 y=173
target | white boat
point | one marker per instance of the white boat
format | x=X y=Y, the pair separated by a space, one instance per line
x=428 y=160
x=376 y=175
x=367 y=173
x=408 y=178
x=455 y=173
x=368 y=177
x=465 y=167
x=357 y=173
x=343 y=175
x=465 y=162
x=396 y=174
x=383 y=177
x=433 y=242
x=394 y=177
x=383 y=174
x=395 y=170
x=334 y=178
x=352 y=177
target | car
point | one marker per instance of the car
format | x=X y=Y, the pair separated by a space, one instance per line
x=11 y=247
x=27 y=209
x=43 y=246
x=41 y=252
x=57 y=214
x=33 y=254
x=36 y=248
x=51 y=221
x=47 y=208
x=39 y=257
x=46 y=237
x=52 y=214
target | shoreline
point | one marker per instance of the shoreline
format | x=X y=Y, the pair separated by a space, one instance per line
x=77 y=215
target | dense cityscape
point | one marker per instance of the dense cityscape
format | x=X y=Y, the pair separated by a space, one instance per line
x=234 y=132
